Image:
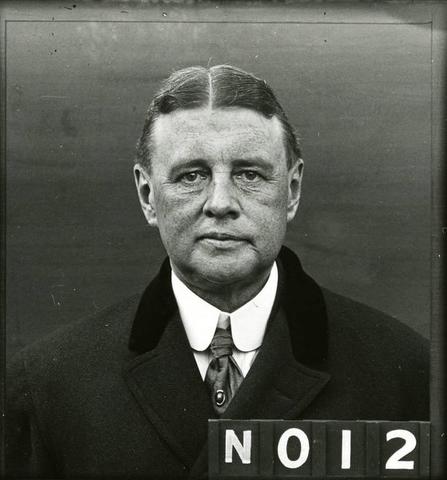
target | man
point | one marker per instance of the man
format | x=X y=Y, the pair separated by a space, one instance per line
x=232 y=326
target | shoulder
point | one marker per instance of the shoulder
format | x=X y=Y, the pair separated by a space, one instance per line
x=50 y=382
x=377 y=359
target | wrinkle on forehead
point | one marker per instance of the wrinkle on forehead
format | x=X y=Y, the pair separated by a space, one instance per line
x=203 y=131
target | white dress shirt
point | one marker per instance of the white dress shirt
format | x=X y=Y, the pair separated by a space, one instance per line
x=248 y=323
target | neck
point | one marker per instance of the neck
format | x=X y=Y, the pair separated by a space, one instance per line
x=227 y=298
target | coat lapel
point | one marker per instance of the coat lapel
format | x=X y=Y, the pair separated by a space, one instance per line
x=164 y=377
x=167 y=384
x=277 y=386
x=289 y=370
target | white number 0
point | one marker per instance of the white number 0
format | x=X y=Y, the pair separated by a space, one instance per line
x=395 y=462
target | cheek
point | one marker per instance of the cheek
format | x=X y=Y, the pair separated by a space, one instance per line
x=272 y=202
x=165 y=205
x=174 y=214
x=271 y=213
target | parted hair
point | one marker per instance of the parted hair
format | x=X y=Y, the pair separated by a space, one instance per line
x=220 y=86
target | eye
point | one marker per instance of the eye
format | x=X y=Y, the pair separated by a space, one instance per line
x=249 y=176
x=193 y=177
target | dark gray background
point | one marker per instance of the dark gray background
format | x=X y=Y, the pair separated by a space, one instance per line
x=76 y=96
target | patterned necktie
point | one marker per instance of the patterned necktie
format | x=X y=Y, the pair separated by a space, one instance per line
x=223 y=376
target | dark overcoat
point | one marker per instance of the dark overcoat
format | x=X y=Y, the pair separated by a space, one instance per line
x=120 y=395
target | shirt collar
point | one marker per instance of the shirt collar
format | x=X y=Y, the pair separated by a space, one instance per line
x=248 y=323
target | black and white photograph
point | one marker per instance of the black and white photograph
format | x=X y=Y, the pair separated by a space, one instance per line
x=222 y=239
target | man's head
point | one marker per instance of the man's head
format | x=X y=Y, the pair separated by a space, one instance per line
x=218 y=171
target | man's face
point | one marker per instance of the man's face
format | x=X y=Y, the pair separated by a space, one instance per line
x=220 y=192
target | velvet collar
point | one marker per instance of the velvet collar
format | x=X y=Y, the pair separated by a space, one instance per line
x=298 y=295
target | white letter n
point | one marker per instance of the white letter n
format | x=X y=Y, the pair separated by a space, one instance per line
x=243 y=449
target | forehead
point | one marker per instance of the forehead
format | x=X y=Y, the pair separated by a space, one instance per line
x=223 y=132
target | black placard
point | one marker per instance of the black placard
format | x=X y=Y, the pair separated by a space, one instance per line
x=318 y=449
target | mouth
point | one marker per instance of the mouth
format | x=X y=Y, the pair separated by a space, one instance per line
x=221 y=236
x=222 y=239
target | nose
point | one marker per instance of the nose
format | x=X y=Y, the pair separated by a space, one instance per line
x=222 y=200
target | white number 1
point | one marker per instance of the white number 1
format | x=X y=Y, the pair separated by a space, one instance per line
x=346 y=449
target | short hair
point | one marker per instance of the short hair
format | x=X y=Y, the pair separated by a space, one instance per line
x=219 y=86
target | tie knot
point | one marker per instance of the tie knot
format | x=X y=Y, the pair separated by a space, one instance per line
x=223 y=320
x=222 y=343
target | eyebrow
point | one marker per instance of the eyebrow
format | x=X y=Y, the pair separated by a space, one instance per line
x=180 y=165
x=253 y=161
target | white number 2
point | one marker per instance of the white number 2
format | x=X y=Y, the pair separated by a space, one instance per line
x=395 y=462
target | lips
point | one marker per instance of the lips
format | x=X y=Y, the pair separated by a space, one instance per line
x=222 y=236
x=223 y=240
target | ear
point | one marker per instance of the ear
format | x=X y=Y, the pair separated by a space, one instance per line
x=145 y=194
x=295 y=175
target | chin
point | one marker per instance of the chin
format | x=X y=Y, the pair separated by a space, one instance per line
x=222 y=276
x=226 y=274
x=221 y=270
